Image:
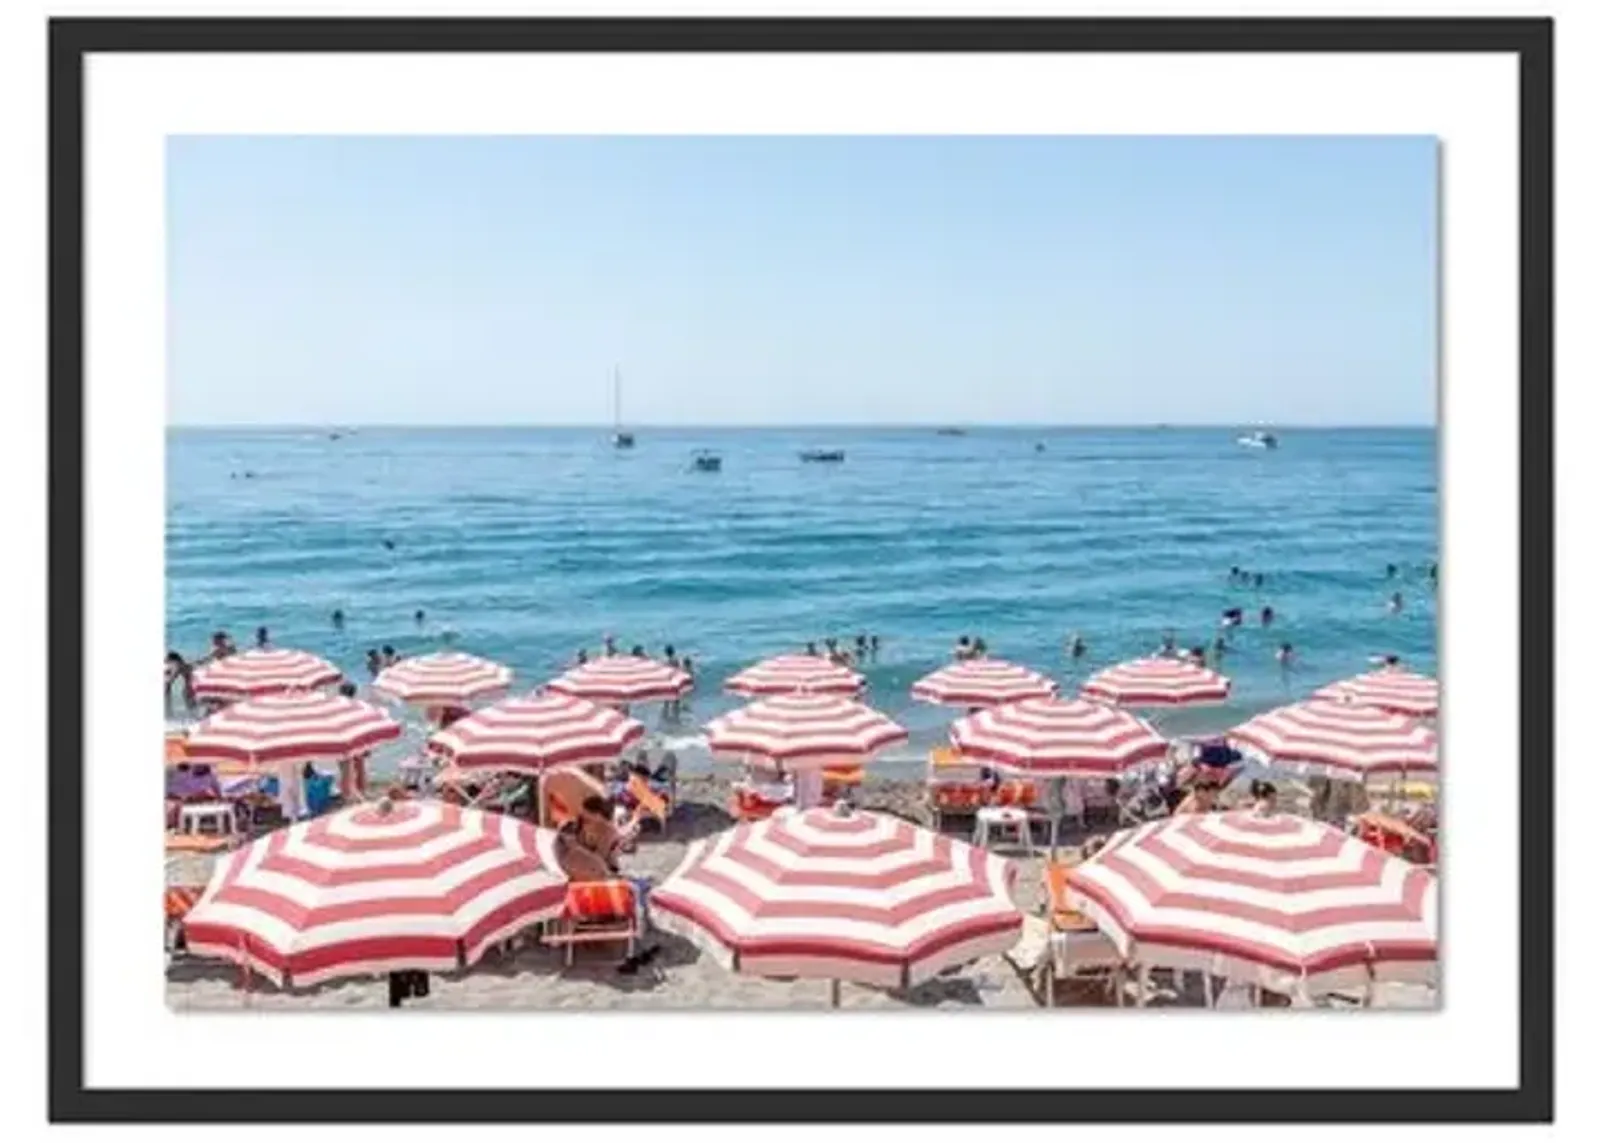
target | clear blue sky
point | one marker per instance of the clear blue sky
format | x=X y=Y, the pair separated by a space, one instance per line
x=796 y=280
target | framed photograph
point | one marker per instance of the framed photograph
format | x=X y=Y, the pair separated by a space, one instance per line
x=815 y=545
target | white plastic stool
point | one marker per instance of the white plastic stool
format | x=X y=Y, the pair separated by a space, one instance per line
x=997 y=818
x=207 y=818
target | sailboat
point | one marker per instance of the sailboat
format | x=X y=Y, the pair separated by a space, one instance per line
x=619 y=439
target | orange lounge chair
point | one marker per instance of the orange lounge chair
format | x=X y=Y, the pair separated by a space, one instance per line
x=840 y=780
x=647 y=803
x=179 y=899
x=956 y=800
x=1016 y=793
x=1100 y=968
x=197 y=842
x=748 y=806
x=596 y=912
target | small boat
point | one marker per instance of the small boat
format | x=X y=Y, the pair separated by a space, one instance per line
x=704 y=460
x=822 y=455
x=1259 y=439
x=951 y=432
x=619 y=439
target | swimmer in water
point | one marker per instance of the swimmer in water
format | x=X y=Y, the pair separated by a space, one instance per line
x=1433 y=572
x=608 y=646
x=638 y=652
x=1266 y=617
x=872 y=646
x=811 y=649
x=1169 y=645
x=1235 y=574
x=389 y=544
x=1396 y=602
x=389 y=657
x=980 y=649
x=1390 y=571
x=1285 y=656
x=1218 y=646
x=669 y=655
x=581 y=657
x=1197 y=656
x=1233 y=617
x=261 y=637
x=221 y=646
x=420 y=617
x=374 y=662
x=963 y=648
x=1076 y=647
x=1259 y=579
x=338 y=619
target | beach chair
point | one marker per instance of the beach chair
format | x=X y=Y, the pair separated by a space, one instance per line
x=748 y=806
x=1017 y=792
x=1079 y=951
x=647 y=803
x=596 y=912
x=178 y=900
x=839 y=781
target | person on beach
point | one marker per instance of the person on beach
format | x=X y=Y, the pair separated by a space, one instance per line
x=1197 y=656
x=608 y=646
x=1263 y=797
x=338 y=619
x=374 y=662
x=1202 y=798
x=179 y=670
x=669 y=655
x=963 y=648
x=389 y=656
x=1285 y=657
x=980 y=649
x=811 y=649
x=688 y=668
x=581 y=657
x=638 y=651
x=1396 y=602
x=1266 y=616
x=262 y=641
x=1169 y=645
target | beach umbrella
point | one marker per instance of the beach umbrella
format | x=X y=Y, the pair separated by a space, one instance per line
x=1341 y=741
x=1156 y=682
x=795 y=674
x=378 y=887
x=265 y=671
x=1058 y=738
x=803 y=732
x=295 y=727
x=444 y=678
x=981 y=682
x=1390 y=688
x=623 y=679
x=1279 y=901
x=535 y=732
x=839 y=894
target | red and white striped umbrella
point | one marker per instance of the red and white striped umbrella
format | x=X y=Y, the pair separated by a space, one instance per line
x=444 y=678
x=623 y=679
x=377 y=888
x=534 y=732
x=803 y=731
x=1340 y=740
x=855 y=896
x=1156 y=682
x=795 y=674
x=1392 y=689
x=264 y=671
x=981 y=682
x=1290 y=904
x=1058 y=738
x=301 y=726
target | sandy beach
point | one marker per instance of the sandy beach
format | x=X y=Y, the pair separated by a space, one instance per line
x=680 y=977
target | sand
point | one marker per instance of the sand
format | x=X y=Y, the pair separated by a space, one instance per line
x=534 y=977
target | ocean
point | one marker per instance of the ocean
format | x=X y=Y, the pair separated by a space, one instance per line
x=524 y=545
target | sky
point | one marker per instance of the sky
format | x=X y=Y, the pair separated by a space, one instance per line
x=802 y=280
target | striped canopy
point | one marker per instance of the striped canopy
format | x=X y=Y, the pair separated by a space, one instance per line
x=1340 y=740
x=795 y=674
x=296 y=727
x=1058 y=738
x=1156 y=682
x=803 y=731
x=266 y=671
x=1392 y=689
x=444 y=678
x=981 y=682
x=623 y=679
x=1290 y=904
x=534 y=732
x=859 y=896
x=376 y=888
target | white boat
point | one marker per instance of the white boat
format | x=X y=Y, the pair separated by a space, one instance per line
x=619 y=439
x=1259 y=439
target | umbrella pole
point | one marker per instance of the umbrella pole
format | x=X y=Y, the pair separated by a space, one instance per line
x=833 y=992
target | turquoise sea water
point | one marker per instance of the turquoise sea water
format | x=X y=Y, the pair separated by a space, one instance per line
x=526 y=544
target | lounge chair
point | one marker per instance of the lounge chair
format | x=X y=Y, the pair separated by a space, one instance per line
x=179 y=899
x=1078 y=950
x=747 y=805
x=647 y=803
x=596 y=912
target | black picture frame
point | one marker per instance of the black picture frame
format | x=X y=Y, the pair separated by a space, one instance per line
x=72 y=40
